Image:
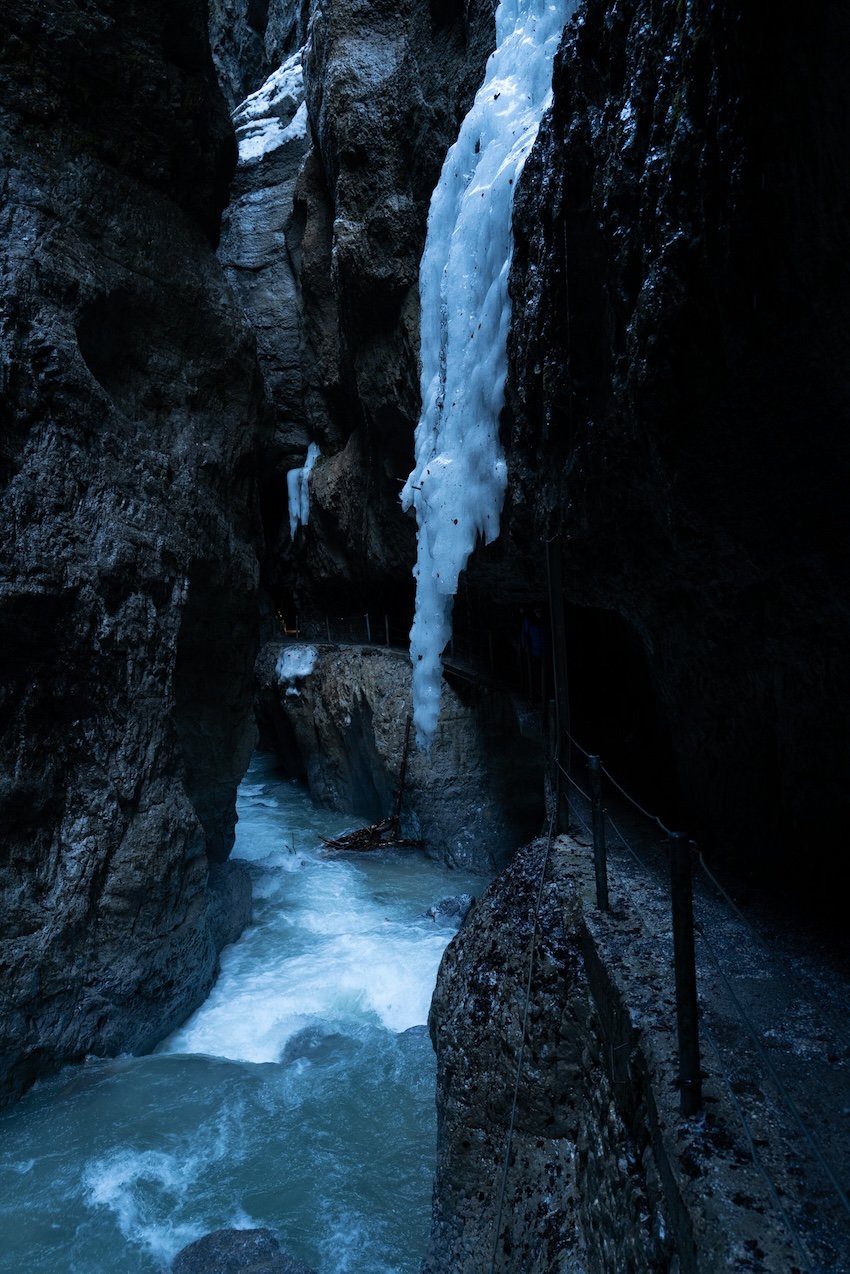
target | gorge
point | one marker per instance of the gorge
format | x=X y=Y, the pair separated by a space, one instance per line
x=211 y=342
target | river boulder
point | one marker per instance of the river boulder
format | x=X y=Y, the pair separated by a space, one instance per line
x=237 y=1252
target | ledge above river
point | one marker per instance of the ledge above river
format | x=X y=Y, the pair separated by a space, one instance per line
x=340 y=727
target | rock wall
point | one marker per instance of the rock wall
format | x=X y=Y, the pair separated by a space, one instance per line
x=128 y=562
x=680 y=396
x=273 y=137
x=341 y=727
x=250 y=38
x=603 y=1174
x=387 y=84
x=337 y=258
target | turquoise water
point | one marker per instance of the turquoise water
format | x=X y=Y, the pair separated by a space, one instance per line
x=299 y=1096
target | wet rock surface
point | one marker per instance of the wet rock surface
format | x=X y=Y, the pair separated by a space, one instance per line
x=451 y=911
x=386 y=87
x=476 y=1023
x=236 y=1252
x=679 y=398
x=128 y=566
x=342 y=725
x=603 y=1173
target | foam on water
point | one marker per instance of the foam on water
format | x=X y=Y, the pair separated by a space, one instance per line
x=134 y=1186
x=289 y=1099
x=323 y=947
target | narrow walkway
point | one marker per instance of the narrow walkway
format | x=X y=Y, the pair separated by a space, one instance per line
x=774 y=1034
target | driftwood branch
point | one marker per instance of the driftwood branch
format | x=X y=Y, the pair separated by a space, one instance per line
x=387 y=833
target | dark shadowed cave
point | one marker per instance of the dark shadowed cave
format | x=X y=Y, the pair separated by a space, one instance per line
x=614 y=709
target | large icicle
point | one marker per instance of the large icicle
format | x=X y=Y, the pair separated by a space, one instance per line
x=458 y=484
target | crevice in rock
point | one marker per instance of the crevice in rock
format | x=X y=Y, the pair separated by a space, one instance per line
x=215 y=740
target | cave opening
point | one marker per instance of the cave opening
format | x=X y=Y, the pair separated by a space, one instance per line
x=615 y=710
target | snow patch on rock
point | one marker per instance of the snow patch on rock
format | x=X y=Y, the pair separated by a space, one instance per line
x=294 y=663
x=274 y=115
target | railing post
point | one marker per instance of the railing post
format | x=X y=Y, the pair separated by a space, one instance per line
x=387 y=628
x=557 y=620
x=368 y=631
x=328 y=627
x=687 y=1011
x=600 y=860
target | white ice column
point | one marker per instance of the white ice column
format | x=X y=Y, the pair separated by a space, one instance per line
x=458 y=483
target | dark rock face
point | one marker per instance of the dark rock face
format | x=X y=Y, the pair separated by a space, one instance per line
x=128 y=568
x=386 y=86
x=325 y=265
x=680 y=391
x=250 y=39
x=569 y=1153
x=273 y=137
x=475 y=1021
x=236 y=1252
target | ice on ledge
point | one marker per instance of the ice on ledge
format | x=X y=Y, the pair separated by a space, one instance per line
x=293 y=663
x=261 y=137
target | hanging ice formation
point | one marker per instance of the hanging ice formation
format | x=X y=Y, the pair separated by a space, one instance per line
x=458 y=483
x=298 y=490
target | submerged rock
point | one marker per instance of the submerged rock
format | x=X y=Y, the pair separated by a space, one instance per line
x=451 y=911
x=237 y=1252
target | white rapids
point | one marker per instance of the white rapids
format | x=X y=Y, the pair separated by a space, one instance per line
x=300 y=1096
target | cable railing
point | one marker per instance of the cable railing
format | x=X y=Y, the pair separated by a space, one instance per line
x=582 y=805
x=481 y=653
x=367 y=628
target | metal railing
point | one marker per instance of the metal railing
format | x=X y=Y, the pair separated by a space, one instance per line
x=588 y=808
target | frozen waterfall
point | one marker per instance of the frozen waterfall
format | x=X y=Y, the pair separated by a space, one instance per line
x=457 y=486
x=298 y=490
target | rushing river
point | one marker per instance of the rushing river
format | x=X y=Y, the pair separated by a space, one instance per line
x=299 y=1096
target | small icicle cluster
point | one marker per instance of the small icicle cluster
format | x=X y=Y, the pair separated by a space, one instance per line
x=298 y=490
x=458 y=484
